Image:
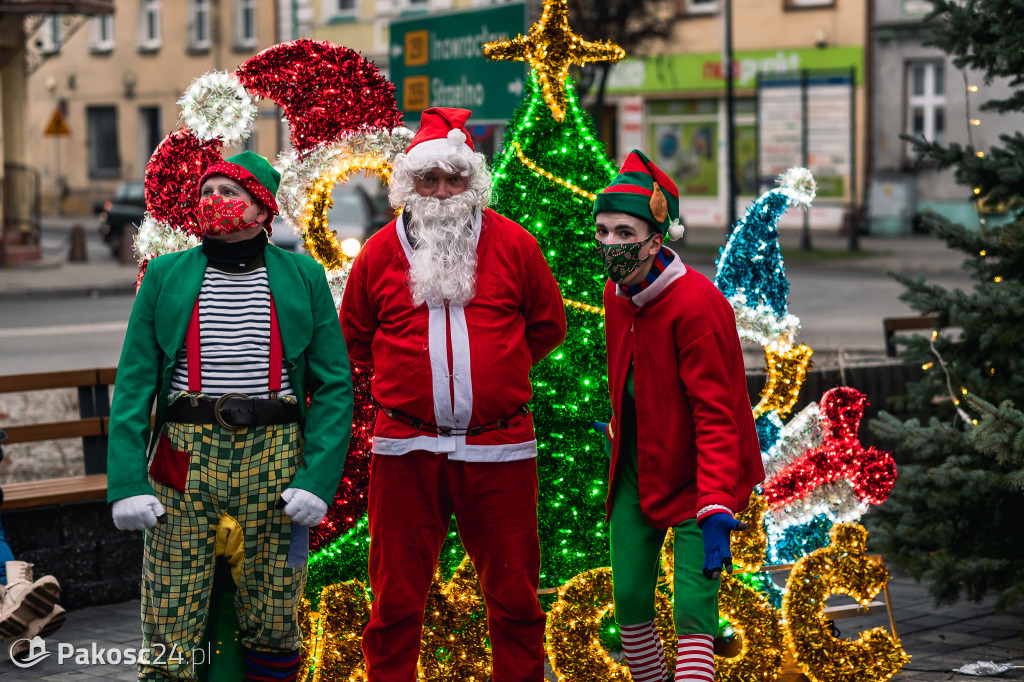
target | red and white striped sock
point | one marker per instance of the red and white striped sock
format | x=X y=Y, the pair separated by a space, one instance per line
x=696 y=661
x=644 y=653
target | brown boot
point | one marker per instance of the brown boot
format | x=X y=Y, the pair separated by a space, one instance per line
x=40 y=627
x=25 y=600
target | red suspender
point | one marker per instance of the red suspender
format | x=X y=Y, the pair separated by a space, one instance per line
x=195 y=365
x=274 y=378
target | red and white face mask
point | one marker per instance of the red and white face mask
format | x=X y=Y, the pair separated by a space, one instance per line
x=218 y=215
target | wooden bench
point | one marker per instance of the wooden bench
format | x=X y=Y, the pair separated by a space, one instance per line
x=94 y=417
x=891 y=325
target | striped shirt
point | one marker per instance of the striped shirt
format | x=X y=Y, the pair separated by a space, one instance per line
x=234 y=336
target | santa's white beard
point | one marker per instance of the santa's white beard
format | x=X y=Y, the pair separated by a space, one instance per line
x=443 y=263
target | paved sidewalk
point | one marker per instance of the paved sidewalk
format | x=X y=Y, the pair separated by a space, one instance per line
x=938 y=639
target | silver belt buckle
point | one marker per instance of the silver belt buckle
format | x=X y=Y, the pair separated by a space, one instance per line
x=220 y=417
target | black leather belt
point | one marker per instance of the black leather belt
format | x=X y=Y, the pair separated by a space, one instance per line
x=421 y=425
x=232 y=411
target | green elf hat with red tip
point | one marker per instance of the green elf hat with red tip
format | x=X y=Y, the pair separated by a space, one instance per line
x=641 y=189
x=251 y=171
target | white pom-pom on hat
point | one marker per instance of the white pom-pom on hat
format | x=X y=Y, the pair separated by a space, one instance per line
x=676 y=229
x=799 y=186
x=456 y=136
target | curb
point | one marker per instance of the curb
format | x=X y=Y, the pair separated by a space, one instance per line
x=68 y=292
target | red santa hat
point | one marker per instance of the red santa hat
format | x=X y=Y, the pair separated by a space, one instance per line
x=442 y=131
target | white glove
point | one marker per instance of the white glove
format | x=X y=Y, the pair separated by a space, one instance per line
x=137 y=513
x=303 y=507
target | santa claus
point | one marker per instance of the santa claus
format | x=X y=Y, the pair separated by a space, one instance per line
x=451 y=305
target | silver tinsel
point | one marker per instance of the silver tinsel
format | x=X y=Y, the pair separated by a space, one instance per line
x=216 y=105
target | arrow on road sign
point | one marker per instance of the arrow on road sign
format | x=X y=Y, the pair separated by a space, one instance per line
x=516 y=87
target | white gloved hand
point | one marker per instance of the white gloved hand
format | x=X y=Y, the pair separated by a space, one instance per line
x=303 y=507
x=137 y=513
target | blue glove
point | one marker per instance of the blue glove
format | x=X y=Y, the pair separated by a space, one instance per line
x=716 y=529
x=602 y=428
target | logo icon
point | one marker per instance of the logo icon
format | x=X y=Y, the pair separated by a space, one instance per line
x=36 y=652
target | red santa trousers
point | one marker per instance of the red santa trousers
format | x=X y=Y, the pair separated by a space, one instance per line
x=412 y=498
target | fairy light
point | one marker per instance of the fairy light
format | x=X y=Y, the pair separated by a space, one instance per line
x=975 y=122
x=551 y=176
x=871 y=473
x=842 y=567
x=597 y=310
x=972 y=88
x=550 y=49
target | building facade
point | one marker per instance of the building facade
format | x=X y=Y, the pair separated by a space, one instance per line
x=116 y=81
x=920 y=92
x=673 y=103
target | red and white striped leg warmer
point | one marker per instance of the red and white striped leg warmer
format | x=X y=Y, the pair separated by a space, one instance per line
x=696 y=661
x=644 y=653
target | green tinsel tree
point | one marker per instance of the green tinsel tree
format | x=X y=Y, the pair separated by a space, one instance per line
x=541 y=180
x=953 y=518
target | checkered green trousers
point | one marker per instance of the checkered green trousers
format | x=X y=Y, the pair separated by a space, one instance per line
x=240 y=473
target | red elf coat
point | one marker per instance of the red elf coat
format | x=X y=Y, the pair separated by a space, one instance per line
x=697 y=447
x=451 y=365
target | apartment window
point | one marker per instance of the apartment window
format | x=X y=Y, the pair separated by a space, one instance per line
x=149 y=24
x=104 y=155
x=340 y=8
x=245 y=23
x=699 y=6
x=101 y=30
x=926 y=100
x=800 y=4
x=199 y=24
x=50 y=35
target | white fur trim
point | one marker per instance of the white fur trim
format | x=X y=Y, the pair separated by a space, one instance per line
x=676 y=229
x=714 y=508
x=434 y=148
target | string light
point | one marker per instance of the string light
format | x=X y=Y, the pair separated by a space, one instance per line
x=551 y=176
x=787 y=369
x=870 y=472
x=550 y=48
x=597 y=310
x=842 y=567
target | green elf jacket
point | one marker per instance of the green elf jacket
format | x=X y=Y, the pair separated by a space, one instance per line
x=313 y=351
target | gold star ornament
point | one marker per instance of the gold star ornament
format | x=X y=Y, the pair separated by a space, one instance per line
x=550 y=48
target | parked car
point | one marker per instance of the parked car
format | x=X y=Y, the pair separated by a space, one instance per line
x=126 y=207
x=353 y=214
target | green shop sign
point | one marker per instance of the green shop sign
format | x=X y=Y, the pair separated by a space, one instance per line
x=437 y=61
x=704 y=72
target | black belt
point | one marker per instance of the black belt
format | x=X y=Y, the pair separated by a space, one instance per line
x=421 y=425
x=232 y=411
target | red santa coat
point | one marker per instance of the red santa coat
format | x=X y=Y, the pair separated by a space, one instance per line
x=697 y=448
x=451 y=365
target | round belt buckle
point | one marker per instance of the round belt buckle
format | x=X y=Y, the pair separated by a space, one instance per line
x=220 y=417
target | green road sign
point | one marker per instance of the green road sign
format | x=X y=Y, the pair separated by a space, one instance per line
x=437 y=61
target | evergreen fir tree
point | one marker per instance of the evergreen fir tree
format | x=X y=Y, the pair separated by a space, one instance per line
x=953 y=517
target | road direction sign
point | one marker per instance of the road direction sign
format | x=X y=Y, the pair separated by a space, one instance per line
x=437 y=61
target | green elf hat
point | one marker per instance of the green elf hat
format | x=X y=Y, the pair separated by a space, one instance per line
x=641 y=189
x=251 y=171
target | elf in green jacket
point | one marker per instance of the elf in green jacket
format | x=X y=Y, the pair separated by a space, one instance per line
x=239 y=344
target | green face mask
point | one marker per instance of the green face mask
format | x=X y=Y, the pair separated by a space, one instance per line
x=622 y=260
